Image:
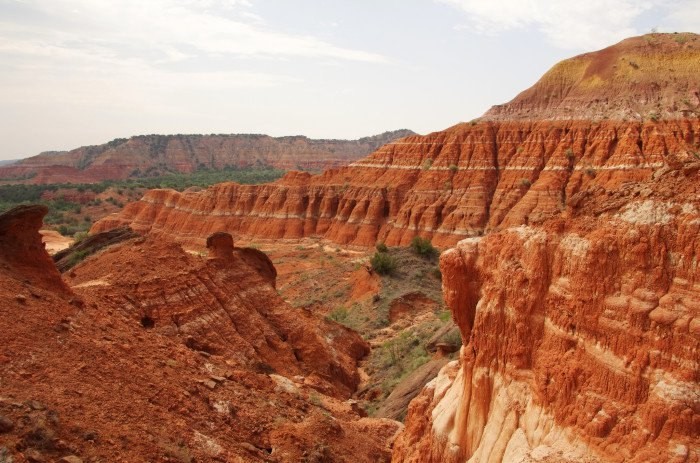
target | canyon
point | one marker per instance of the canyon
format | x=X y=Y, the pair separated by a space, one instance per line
x=156 y=155
x=569 y=222
x=590 y=216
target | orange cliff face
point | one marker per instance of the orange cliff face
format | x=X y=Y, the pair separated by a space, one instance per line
x=573 y=277
x=589 y=352
x=464 y=181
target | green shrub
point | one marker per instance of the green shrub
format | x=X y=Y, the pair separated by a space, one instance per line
x=383 y=263
x=80 y=236
x=427 y=164
x=338 y=315
x=381 y=247
x=423 y=247
x=453 y=168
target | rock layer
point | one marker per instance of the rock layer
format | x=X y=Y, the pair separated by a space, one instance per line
x=464 y=181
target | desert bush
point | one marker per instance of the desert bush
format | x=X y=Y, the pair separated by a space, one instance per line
x=381 y=247
x=423 y=247
x=338 y=315
x=383 y=263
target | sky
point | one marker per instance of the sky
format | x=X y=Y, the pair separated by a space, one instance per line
x=81 y=72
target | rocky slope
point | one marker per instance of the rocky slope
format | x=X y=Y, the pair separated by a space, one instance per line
x=118 y=365
x=518 y=166
x=152 y=155
x=648 y=77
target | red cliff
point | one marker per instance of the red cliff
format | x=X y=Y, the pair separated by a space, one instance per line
x=464 y=181
x=581 y=336
x=153 y=354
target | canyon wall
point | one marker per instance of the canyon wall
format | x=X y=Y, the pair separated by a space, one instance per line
x=153 y=155
x=467 y=180
x=582 y=336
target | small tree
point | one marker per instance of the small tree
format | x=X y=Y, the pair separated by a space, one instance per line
x=381 y=247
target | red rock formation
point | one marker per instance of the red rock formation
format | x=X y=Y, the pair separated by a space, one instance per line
x=449 y=185
x=166 y=356
x=22 y=251
x=589 y=352
x=152 y=155
x=199 y=300
x=581 y=327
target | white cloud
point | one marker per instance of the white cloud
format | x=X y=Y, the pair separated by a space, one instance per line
x=683 y=17
x=173 y=29
x=587 y=24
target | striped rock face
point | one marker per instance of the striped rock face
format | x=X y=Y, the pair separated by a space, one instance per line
x=580 y=310
x=465 y=181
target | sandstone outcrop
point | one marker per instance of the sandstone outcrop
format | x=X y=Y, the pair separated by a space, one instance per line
x=649 y=77
x=22 y=252
x=152 y=155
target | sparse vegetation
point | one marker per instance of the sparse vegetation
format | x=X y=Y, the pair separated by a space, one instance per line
x=680 y=38
x=525 y=182
x=381 y=247
x=338 y=315
x=383 y=263
x=427 y=164
x=453 y=168
x=423 y=247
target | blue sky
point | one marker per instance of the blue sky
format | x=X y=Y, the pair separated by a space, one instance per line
x=77 y=72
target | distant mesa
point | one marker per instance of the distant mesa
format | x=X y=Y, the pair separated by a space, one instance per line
x=156 y=155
